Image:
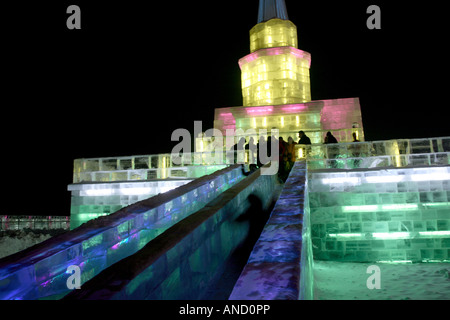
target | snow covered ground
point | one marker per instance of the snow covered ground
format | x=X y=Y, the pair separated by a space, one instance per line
x=348 y=281
x=15 y=241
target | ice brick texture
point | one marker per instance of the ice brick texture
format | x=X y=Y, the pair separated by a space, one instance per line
x=275 y=76
x=104 y=185
x=273 y=33
x=381 y=215
x=275 y=72
x=41 y=271
x=92 y=200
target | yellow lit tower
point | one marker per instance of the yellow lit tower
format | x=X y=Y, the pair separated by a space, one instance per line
x=275 y=72
x=276 y=87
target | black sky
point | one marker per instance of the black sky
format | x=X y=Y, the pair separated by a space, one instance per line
x=136 y=72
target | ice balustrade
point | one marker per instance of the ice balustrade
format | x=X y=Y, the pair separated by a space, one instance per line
x=40 y=271
x=389 y=214
x=398 y=153
x=145 y=167
x=182 y=262
x=34 y=222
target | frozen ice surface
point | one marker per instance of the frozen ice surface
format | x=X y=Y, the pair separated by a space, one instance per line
x=348 y=281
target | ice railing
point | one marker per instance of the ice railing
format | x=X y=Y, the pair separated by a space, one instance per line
x=345 y=155
x=316 y=135
x=145 y=167
x=371 y=154
x=34 y=222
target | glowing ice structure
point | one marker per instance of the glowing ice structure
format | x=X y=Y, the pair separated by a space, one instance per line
x=182 y=262
x=142 y=167
x=397 y=153
x=41 y=271
x=276 y=87
x=275 y=76
x=393 y=214
x=340 y=116
x=92 y=200
x=104 y=185
x=276 y=71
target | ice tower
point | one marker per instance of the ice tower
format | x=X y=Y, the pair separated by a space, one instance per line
x=276 y=71
x=276 y=87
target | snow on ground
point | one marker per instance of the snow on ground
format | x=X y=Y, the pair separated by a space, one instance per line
x=348 y=281
x=15 y=241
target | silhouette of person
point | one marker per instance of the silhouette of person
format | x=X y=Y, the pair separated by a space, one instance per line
x=329 y=138
x=304 y=139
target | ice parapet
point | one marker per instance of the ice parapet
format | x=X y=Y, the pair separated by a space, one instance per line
x=400 y=214
x=340 y=116
x=142 y=167
x=91 y=200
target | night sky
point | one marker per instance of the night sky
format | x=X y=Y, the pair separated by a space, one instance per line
x=134 y=73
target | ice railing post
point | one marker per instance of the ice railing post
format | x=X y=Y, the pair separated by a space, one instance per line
x=147 y=167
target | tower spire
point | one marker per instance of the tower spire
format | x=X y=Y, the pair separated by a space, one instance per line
x=270 y=9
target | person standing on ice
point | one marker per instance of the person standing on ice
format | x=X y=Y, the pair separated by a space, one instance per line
x=329 y=138
x=304 y=139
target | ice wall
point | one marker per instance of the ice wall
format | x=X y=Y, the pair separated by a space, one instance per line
x=180 y=263
x=104 y=185
x=396 y=153
x=41 y=270
x=92 y=200
x=400 y=214
x=340 y=116
x=273 y=33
